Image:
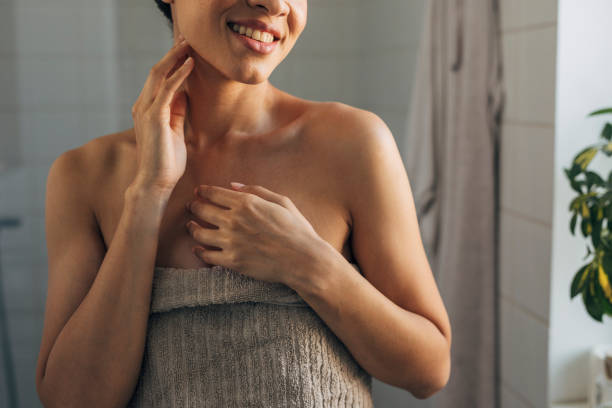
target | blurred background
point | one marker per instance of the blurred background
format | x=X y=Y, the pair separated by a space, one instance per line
x=71 y=70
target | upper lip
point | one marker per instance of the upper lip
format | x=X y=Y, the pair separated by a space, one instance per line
x=258 y=25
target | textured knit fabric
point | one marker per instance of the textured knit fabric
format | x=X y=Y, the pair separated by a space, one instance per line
x=218 y=338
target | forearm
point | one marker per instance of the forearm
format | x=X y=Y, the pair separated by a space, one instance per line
x=97 y=356
x=394 y=345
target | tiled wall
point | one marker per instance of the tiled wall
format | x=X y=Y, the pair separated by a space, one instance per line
x=73 y=69
x=529 y=38
x=583 y=85
x=57 y=61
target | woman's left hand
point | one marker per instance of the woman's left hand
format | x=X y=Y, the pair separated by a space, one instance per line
x=261 y=233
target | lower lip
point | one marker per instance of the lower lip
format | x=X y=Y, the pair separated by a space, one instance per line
x=257 y=46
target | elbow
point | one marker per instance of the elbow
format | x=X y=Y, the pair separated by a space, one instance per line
x=431 y=388
x=436 y=384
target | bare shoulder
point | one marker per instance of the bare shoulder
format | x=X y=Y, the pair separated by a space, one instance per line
x=350 y=135
x=348 y=129
x=348 y=140
x=90 y=166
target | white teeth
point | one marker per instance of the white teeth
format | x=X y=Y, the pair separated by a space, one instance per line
x=262 y=36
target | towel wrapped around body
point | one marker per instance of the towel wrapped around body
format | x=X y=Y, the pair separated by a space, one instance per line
x=218 y=338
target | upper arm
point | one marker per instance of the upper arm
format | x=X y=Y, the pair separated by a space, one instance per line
x=386 y=240
x=75 y=248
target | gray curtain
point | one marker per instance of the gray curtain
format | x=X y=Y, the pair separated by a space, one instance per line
x=451 y=153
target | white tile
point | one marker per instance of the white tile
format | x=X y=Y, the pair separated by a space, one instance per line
x=25 y=359
x=11 y=142
x=48 y=30
x=20 y=292
x=386 y=78
x=124 y=120
x=46 y=135
x=96 y=124
x=13 y=192
x=350 y=91
x=25 y=241
x=527 y=164
x=132 y=75
x=516 y=14
x=316 y=78
x=142 y=30
x=37 y=184
x=525 y=263
x=23 y=189
x=390 y=24
x=530 y=61
x=60 y=3
x=99 y=31
x=509 y=399
x=25 y=328
x=8 y=45
x=331 y=27
x=97 y=79
x=524 y=354
x=48 y=83
x=282 y=74
x=9 y=82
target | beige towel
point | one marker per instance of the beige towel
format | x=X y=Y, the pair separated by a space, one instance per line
x=218 y=338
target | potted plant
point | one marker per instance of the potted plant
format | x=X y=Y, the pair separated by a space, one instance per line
x=594 y=206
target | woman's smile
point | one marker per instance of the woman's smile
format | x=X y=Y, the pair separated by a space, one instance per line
x=256 y=45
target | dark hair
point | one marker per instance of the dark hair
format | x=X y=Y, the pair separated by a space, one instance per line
x=165 y=9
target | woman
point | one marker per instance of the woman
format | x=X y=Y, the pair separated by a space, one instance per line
x=170 y=287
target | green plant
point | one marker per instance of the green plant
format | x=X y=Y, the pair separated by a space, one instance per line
x=594 y=206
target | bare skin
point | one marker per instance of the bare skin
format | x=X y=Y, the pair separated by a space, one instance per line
x=115 y=209
x=287 y=160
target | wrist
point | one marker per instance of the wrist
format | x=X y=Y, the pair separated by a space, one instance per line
x=140 y=191
x=311 y=278
x=146 y=200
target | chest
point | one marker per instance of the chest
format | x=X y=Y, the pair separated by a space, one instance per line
x=296 y=174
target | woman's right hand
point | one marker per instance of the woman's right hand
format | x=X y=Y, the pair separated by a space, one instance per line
x=159 y=117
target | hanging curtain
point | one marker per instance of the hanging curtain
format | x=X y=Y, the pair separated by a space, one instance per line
x=451 y=153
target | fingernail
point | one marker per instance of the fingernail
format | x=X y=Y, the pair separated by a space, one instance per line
x=236 y=184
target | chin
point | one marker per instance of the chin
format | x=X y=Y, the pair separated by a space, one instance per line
x=250 y=76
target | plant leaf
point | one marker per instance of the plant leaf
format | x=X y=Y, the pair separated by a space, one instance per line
x=573 y=224
x=603 y=280
x=589 y=299
x=578 y=282
x=606 y=132
x=585 y=156
x=600 y=112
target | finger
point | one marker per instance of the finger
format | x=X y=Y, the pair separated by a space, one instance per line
x=268 y=195
x=211 y=256
x=219 y=195
x=206 y=236
x=161 y=70
x=170 y=86
x=208 y=212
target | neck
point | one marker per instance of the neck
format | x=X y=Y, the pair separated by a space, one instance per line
x=219 y=107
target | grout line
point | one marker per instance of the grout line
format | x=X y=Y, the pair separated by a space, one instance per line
x=517 y=394
x=526 y=123
x=515 y=213
x=524 y=309
x=529 y=27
